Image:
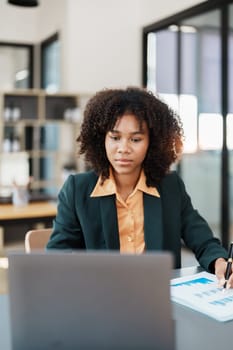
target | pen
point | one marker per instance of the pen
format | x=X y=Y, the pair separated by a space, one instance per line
x=229 y=263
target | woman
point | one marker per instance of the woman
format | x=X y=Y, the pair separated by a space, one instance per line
x=131 y=201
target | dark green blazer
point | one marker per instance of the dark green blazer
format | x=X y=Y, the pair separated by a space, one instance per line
x=89 y=223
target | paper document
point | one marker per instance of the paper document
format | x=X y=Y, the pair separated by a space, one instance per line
x=200 y=292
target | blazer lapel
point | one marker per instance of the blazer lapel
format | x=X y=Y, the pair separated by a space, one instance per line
x=153 y=229
x=109 y=219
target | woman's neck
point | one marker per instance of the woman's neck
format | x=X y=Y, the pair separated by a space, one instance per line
x=125 y=184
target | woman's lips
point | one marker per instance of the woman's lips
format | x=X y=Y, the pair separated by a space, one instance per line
x=123 y=161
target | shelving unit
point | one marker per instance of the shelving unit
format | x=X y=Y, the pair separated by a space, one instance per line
x=41 y=128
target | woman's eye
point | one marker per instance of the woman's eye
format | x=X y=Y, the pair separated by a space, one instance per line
x=114 y=138
x=135 y=140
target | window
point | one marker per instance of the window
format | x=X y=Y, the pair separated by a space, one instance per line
x=16 y=66
x=50 y=64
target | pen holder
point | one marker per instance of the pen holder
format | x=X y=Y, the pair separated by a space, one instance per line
x=20 y=196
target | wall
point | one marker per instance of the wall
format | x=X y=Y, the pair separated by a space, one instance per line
x=17 y=24
x=104 y=40
x=100 y=40
x=154 y=10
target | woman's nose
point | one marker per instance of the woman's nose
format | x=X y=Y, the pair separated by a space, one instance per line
x=124 y=146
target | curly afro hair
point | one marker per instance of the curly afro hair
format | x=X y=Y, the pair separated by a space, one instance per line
x=108 y=105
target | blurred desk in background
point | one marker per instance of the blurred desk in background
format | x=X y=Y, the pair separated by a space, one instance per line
x=16 y=221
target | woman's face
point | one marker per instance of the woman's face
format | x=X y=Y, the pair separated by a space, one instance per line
x=127 y=144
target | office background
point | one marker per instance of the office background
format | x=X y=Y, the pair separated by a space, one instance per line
x=101 y=41
x=100 y=44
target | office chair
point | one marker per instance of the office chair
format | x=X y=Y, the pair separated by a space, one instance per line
x=37 y=239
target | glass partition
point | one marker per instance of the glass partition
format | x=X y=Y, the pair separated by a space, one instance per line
x=186 y=65
x=230 y=115
x=201 y=81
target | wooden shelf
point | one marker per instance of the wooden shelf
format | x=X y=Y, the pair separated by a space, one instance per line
x=46 y=126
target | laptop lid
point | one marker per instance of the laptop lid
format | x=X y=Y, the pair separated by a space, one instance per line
x=90 y=301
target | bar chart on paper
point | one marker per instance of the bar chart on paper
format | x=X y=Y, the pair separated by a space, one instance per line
x=200 y=292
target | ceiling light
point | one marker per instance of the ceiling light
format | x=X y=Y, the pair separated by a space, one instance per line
x=25 y=3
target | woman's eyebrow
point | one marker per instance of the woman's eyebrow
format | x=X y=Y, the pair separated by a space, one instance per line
x=132 y=133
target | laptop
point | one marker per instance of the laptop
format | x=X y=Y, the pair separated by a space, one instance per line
x=90 y=301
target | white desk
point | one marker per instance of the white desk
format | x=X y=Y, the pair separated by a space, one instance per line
x=194 y=331
x=5 y=343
